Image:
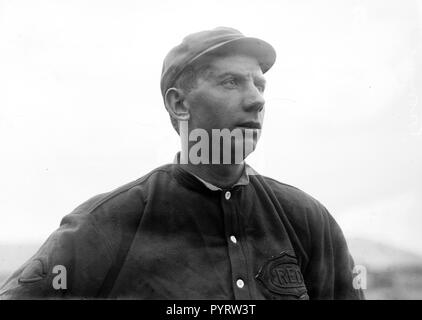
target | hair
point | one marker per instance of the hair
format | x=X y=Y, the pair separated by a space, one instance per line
x=187 y=81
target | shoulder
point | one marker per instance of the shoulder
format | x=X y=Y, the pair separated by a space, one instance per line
x=306 y=214
x=128 y=195
x=303 y=211
x=118 y=210
x=113 y=215
x=293 y=198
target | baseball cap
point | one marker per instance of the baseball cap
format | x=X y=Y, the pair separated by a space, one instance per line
x=221 y=40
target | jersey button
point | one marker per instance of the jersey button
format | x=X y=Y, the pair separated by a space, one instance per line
x=233 y=239
x=228 y=195
x=240 y=284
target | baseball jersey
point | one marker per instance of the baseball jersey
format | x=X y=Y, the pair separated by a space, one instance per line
x=169 y=235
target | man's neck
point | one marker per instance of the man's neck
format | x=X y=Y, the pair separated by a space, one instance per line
x=220 y=175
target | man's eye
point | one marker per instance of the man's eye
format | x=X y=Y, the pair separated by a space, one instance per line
x=231 y=83
x=261 y=88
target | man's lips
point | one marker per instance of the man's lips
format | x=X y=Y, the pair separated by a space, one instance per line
x=250 y=125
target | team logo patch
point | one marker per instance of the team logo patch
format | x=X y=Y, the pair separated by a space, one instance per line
x=281 y=276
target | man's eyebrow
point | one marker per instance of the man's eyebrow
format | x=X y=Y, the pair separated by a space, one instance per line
x=259 y=79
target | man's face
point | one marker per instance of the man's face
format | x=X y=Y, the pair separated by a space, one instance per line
x=228 y=95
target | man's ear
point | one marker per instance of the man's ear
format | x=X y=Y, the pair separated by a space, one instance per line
x=176 y=106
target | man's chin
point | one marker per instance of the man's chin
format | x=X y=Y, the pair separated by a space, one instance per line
x=250 y=147
x=238 y=155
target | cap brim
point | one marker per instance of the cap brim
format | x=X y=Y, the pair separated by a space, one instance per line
x=262 y=51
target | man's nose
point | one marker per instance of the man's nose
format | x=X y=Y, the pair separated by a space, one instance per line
x=254 y=100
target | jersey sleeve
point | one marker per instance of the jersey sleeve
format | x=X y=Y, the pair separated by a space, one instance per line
x=72 y=263
x=330 y=269
x=83 y=257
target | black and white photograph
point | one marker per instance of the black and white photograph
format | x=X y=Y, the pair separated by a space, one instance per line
x=210 y=150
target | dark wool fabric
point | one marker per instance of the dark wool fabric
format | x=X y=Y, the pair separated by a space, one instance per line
x=167 y=236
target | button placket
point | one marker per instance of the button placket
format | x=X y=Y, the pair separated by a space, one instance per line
x=237 y=257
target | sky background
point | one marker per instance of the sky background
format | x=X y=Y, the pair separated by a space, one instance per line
x=81 y=111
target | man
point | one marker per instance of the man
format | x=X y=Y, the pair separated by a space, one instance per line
x=207 y=226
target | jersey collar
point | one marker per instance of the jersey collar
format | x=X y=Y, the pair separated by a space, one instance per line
x=243 y=180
